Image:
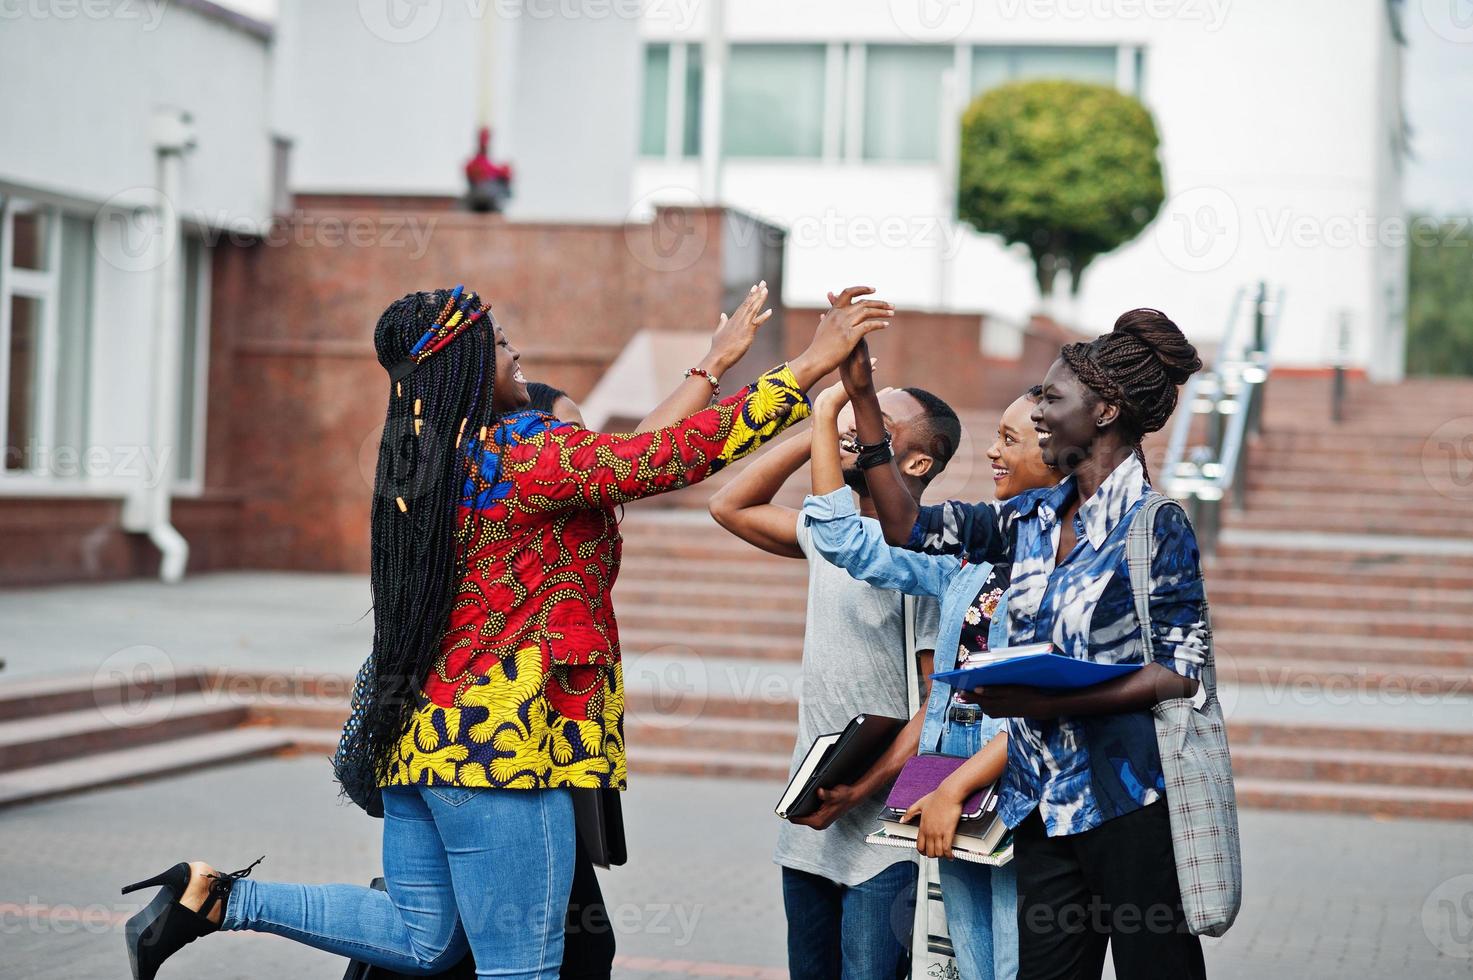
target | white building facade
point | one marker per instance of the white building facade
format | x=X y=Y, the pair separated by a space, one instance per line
x=1281 y=143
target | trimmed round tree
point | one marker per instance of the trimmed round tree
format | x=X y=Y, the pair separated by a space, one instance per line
x=1067 y=169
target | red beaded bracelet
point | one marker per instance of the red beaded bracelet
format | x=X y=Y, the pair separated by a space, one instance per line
x=703 y=373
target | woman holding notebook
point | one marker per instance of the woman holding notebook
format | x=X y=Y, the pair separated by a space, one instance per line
x=1084 y=787
x=980 y=900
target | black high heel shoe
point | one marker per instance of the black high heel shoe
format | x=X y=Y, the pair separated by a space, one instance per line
x=164 y=927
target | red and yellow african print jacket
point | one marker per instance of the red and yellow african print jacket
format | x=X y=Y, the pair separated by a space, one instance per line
x=528 y=691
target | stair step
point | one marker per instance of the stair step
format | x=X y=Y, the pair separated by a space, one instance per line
x=1409 y=653
x=1401 y=579
x=28 y=697
x=787 y=572
x=727 y=765
x=1320 y=679
x=1348 y=737
x=699 y=733
x=639 y=639
x=1336 y=595
x=1324 y=765
x=37 y=740
x=1385 y=801
x=1384 y=521
x=143 y=762
x=680 y=592
x=1352 y=623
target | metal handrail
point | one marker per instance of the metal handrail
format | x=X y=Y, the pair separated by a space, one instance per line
x=1229 y=394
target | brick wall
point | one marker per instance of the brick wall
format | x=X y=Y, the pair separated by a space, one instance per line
x=296 y=396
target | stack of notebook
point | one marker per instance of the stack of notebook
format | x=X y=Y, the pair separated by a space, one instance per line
x=981 y=836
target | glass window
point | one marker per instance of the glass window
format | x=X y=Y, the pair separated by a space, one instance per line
x=656 y=99
x=74 y=334
x=21 y=381
x=902 y=101
x=45 y=339
x=992 y=66
x=693 y=78
x=28 y=247
x=774 y=101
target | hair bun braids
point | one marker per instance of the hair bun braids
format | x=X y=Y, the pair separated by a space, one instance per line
x=1165 y=341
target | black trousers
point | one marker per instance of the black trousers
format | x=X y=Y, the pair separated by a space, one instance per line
x=1114 y=885
x=588 y=935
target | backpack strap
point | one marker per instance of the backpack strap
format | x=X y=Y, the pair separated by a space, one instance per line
x=1139 y=548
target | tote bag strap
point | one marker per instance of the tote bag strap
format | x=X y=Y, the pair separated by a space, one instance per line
x=1139 y=545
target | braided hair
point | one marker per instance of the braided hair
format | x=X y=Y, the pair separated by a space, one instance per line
x=1137 y=367
x=440 y=405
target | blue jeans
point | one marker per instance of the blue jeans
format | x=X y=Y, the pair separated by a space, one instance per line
x=981 y=901
x=854 y=933
x=484 y=869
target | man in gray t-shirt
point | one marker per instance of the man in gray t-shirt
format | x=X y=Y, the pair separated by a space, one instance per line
x=848 y=903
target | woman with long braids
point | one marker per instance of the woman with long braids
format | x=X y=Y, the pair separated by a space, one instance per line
x=495 y=682
x=1083 y=788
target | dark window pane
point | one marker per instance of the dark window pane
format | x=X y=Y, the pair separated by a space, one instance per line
x=20 y=392
x=28 y=248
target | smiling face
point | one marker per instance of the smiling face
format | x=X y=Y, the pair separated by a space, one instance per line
x=1017 y=463
x=1066 y=418
x=511 y=386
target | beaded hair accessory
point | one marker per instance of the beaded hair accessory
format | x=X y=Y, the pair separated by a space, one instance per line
x=455 y=319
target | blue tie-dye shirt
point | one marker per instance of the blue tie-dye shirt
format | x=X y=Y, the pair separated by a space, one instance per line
x=1081 y=771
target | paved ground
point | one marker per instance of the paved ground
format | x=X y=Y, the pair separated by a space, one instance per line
x=1329 y=898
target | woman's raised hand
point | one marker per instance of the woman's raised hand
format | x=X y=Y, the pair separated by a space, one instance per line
x=839 y=332
x=734 y=334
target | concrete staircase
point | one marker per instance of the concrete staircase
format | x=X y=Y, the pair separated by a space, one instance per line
x=1341 y=599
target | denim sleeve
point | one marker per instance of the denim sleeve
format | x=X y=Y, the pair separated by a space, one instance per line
x=859 y=547
x=972 y=531
x=1178 y=628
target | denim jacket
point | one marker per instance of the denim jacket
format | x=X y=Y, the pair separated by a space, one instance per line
x=860 y=548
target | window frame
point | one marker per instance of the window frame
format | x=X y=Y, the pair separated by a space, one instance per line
x=42 y=286
x=45 y=287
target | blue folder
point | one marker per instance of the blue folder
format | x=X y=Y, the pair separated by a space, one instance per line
x=1046 y=670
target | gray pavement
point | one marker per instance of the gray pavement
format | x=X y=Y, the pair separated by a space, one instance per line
x=1328 y=897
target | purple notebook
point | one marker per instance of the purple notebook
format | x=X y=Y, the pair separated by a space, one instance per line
x=923 y=774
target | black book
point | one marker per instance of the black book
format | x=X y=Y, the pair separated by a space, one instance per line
x=837 y=759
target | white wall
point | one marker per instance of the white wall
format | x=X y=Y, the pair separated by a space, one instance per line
x=1275 y=144
x=81 y=84
x=79 y=92
x=375 y=105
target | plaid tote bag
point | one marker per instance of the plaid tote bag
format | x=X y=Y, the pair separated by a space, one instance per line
x=1195 y=760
